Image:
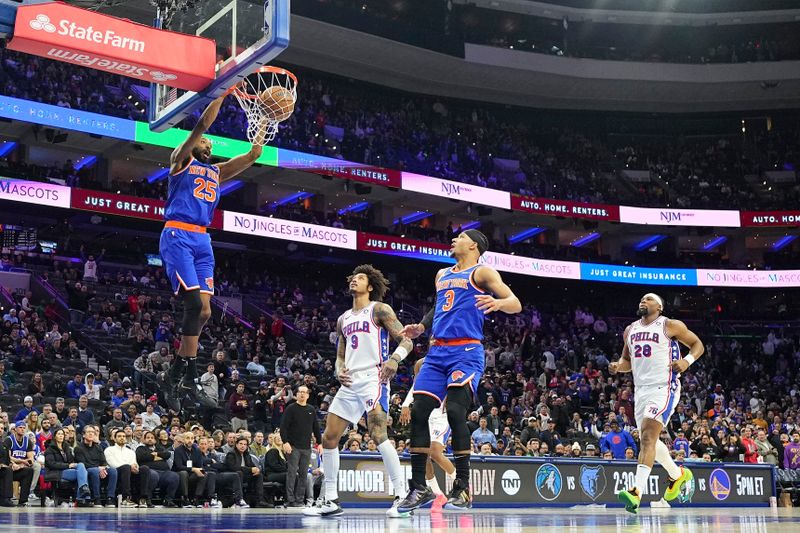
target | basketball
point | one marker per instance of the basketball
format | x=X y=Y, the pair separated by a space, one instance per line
x=278 y=101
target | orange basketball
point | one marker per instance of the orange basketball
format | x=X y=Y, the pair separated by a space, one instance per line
x=279 y=103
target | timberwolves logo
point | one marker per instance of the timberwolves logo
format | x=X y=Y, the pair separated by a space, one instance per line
x=548 y=482
x=720 y=484
x=593 y=481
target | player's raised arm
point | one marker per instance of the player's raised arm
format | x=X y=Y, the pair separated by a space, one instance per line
x=183 y=152
x=240 y=163
x=624 y=364
x=678 y=331
x=385 y=317
x=503 y=300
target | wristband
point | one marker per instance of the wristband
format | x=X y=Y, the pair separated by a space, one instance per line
x=401 y=351
x=689 y=358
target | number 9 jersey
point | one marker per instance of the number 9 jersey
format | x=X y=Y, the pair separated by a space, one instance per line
x=185 y=246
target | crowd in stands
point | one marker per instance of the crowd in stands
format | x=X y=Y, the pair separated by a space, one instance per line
x=477 y=144
x=546 y=391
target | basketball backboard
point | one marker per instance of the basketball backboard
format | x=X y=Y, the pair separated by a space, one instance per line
x=248 y=35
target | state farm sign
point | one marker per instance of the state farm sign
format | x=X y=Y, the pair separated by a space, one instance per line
x=67 y=33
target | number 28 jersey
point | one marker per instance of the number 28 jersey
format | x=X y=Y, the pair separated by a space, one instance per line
x=193 y=193
x=652 y=353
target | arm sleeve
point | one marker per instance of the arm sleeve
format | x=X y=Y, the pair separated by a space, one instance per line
x=427 y=320
x=316 y=430
x=409 y=397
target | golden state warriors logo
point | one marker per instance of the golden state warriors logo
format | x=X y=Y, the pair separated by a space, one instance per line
x=719 y=484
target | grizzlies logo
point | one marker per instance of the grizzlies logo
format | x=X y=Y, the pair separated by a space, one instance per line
x=593 y=481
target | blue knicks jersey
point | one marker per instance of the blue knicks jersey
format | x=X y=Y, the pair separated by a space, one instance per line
x=456 y=316
x=193 y=193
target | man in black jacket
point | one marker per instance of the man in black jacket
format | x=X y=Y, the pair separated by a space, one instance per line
x=188 y=464
x=167 y=480
x=239 y=460
x=298 y=425
x=89 y=453
x=212 y=465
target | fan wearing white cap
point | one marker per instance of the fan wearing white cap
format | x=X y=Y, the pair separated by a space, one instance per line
x=652 y=352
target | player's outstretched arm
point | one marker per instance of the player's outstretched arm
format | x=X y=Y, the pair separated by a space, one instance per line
x=624 y=364
x=384 y=316
x=182 y=153
x=678 y=331
x=240 y=163
x=412 y=331
x=503 y=300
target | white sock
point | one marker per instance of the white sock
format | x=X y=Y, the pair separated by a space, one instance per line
x=434 y=485
x=642 y=474
x=330 y=464
x=665 y=459
x=392 y=462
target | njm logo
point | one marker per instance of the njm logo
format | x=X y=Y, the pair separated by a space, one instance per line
x=451 y=189
x=670 y=216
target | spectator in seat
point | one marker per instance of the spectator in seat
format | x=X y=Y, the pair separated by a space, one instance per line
x=60 y=465
x=239 y=460
x=766 y=450
x=76 y=388
x=27 y=408
x=750 y=448
x=116 y=422
x=89 y=453
x=210 y=385
x=231 y=480
x=791 y=453
x=93 y=390
x=122 y=458
x=187 y=462
x=238 y=405
x=483 y=435
x=19 y=449
x=731 y=451
x=157 y=460
x=617 y=440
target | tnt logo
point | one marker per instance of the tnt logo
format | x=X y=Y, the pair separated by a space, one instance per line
x=210 y=283
x=455 y=376
x=510 y=482
x=162 y=76
x=42 y=22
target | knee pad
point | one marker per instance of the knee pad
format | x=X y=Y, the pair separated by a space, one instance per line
x=458 y=401
x=420 y=413
x=192 y=307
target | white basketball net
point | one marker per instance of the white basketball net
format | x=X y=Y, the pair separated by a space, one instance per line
x=267 y=98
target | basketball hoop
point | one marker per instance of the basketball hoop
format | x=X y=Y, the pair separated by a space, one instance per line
x=267 y=97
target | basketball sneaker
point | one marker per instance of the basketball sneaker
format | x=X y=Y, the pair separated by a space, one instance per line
x=439 y=502
x=459 y=497
x=330 y=508
x=418 y=495
x=631 y=499
x=393 y=512
x=197 y=392
x=675 y=485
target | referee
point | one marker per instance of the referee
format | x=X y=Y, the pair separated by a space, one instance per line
x=299 y=423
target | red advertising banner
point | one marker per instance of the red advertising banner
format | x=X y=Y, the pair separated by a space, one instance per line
x=564 y=208
x=126 y=206
x=770 y=218
x=388 y=244
x=67 y=33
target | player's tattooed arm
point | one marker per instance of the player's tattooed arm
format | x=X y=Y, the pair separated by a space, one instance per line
x=624 y=363
x=341 y=348
x=385 y=316
x=240 y=163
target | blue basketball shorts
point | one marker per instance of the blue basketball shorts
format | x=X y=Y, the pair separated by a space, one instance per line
x=450 y=366
x=188 y=259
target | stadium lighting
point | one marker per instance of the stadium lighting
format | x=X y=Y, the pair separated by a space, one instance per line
x=231 y=186
x=292 y=198
x=158 y=175
x=783 y=242
x=713 y=243
x=354 y=208
x=649 y=242
x=586 y=239
x=525 y=235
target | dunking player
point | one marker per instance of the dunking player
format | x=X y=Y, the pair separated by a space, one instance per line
x=364 y=371
x=652 y=353
x=186 y=247
x=455 y=361
x=440 y=431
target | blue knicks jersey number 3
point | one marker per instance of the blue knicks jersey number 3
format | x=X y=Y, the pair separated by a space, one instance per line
x=205 y=189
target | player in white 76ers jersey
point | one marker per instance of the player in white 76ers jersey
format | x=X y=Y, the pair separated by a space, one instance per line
x=652 y=353
x=364 y=370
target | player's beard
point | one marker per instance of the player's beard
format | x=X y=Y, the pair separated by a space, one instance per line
x=642 y=311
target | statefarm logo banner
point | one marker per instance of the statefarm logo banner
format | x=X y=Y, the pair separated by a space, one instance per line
x=67 y=33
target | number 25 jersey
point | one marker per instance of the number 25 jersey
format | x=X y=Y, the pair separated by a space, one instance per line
x=652 y=353
x=193 y=193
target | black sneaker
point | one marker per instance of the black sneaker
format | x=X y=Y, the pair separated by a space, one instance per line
x=85 y=492
x=172 y=393
x=418 y=495
x=459 y=497
x=199 y=395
